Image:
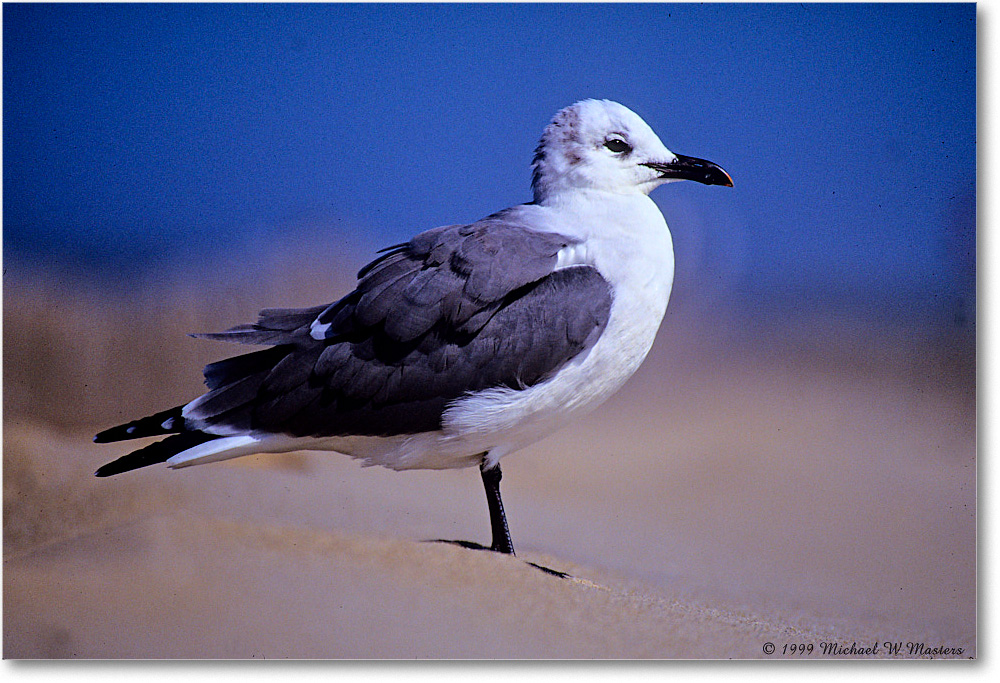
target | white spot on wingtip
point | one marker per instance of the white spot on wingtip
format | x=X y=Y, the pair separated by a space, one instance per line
x=130 y=430
x=168 y=423
x=318 y=331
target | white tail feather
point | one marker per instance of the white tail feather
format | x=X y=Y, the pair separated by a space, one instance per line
x=233 y=447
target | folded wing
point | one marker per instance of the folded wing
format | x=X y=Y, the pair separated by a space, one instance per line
x=456 y=310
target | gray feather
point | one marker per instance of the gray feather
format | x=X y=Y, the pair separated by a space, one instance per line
x=456 y=310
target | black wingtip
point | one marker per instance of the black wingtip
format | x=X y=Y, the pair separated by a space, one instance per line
x=119 y=433
x=167 y=422
x=118 y=466
x=154 y=453
x=107 y=436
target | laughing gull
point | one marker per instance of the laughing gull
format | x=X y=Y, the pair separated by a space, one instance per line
x=468 y=342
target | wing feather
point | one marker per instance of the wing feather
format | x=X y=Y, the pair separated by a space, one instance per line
x=458 y=309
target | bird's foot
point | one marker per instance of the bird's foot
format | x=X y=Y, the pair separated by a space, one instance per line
x=472 y=545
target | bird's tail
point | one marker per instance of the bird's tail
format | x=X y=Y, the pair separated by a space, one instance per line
x=154 y=453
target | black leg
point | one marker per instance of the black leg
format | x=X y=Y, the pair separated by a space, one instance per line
x=501 y=536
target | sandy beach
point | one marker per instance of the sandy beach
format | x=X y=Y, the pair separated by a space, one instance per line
x=723 y=501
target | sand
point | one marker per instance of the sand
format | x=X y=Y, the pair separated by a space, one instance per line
x=721 y=502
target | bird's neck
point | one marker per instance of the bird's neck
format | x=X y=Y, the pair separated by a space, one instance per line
x=548 y=192
x=626 y=238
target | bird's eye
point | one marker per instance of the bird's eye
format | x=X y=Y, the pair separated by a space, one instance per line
x=618 y=146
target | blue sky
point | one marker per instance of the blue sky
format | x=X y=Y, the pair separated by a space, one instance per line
x=849 y=130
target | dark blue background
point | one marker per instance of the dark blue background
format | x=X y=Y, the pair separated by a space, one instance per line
x=137 y=131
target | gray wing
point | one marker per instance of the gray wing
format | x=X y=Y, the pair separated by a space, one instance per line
x=456 y=310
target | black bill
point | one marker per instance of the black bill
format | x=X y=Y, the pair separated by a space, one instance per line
x=690 y=168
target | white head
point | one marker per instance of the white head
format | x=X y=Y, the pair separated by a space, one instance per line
x=602 y=145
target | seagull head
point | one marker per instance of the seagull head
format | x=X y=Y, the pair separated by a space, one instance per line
x=602 y=145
